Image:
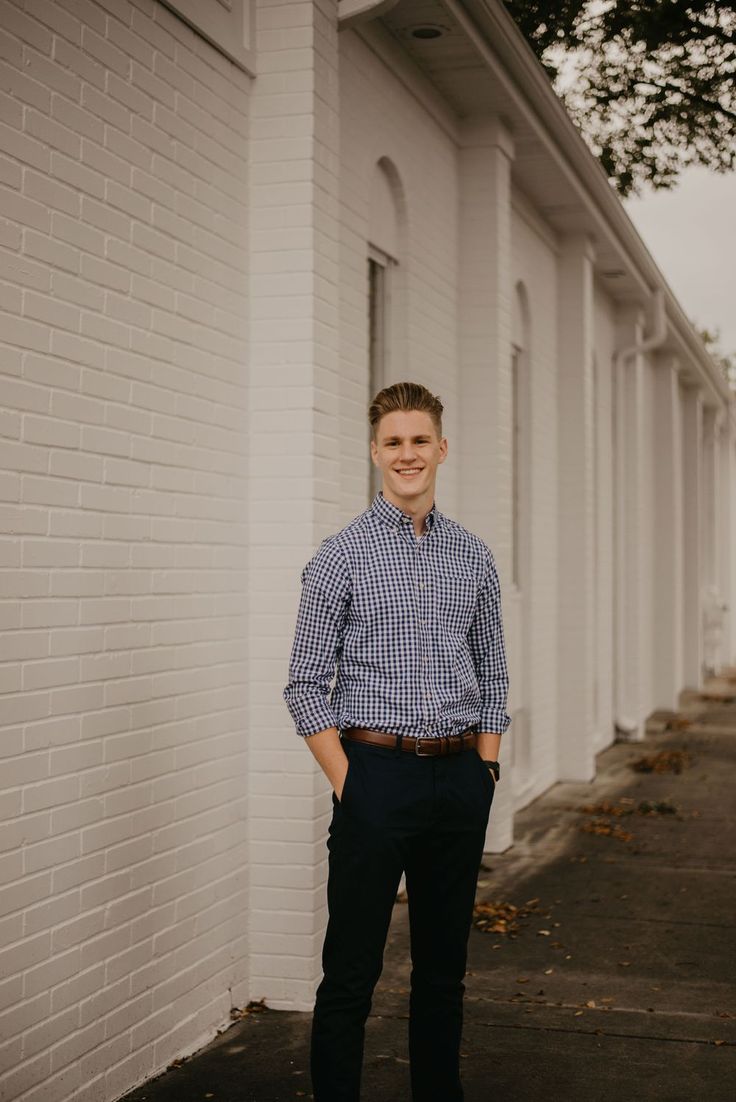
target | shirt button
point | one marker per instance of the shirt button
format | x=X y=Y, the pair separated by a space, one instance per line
x=421 y=585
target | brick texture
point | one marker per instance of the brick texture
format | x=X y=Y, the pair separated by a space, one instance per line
x=123 y=404
x=294 y=470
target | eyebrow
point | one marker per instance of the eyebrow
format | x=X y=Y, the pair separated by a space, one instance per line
x=419 y=436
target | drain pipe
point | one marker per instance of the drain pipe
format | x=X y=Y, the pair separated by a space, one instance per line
x=350 y=12
x=626 y=726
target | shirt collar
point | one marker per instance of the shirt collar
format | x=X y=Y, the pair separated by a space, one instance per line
x=394 y=517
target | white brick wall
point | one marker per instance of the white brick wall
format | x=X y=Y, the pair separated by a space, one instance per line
x=294 y=471
x=123 y=400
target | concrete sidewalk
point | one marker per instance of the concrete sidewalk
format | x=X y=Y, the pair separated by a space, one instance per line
x=618 y=980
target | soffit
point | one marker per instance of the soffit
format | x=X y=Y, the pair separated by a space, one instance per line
x=471 y=87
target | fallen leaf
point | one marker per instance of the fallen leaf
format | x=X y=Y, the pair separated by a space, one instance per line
x=604 y=827
x=254 y=1007
x=606 y=807
x=501 y=917
x=591 y=1004
x=665 y=761
x=656 y=807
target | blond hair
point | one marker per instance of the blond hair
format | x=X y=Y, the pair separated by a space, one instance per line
x=406 y=397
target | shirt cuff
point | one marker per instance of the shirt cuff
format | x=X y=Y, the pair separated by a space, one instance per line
x=494 y=720
x=314 y=721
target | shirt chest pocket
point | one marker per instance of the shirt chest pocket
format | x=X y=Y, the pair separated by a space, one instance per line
x=456 y=597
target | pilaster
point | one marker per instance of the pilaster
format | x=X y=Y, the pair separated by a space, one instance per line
x=692 y=457
x=668 y=519
x=484 y=324
x=632 y=533
x=576 y=529
x=728 y=499
x=712 y=610
x=294 y=484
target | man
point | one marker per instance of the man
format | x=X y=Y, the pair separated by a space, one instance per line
x=405 y=604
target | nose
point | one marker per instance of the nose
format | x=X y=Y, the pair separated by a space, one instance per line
x=407 y=452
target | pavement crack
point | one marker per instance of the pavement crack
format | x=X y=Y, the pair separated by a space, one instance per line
x=602 y=1033
x=656 y=920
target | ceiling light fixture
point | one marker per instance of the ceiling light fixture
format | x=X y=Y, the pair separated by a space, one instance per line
x=426 y=31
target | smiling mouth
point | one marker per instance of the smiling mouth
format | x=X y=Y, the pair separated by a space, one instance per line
x=409 y=472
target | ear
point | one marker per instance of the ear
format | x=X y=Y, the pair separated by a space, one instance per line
x=443 y=450
x=374 y=453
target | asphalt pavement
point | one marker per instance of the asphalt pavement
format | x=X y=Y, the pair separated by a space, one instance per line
x=602 y=965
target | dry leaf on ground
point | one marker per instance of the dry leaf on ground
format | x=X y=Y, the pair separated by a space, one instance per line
x=604 y=827
x=665 y=761
x=502 y=917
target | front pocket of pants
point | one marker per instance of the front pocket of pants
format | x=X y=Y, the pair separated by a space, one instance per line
x=487 y=778
x=351 y=763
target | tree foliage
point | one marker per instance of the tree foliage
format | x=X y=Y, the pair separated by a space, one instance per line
x=726 y=361
x=650 y=83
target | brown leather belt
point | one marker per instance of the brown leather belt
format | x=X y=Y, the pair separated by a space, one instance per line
x=433 y=746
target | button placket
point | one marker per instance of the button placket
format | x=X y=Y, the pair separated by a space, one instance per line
x=423 y=624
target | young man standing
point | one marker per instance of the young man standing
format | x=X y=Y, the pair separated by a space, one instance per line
x=404 y=606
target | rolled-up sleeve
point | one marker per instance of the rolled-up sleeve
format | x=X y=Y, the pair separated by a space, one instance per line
x=318 y=640
x=486 y=643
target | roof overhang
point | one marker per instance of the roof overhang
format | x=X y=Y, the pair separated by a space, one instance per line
x=480 y=64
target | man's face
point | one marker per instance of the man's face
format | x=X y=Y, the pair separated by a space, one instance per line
x=407 y=451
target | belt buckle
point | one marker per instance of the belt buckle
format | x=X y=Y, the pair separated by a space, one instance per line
x=417 y=751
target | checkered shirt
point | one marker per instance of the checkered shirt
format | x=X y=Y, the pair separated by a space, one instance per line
x=397 y=633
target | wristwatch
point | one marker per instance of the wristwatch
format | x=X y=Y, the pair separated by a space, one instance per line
x=493 y=767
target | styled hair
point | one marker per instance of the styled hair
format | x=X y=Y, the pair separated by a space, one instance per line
x=406 y=397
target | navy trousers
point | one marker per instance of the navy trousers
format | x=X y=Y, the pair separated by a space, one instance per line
x=426 y=816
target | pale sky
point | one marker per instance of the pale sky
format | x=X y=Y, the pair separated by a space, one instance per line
x=690 y=230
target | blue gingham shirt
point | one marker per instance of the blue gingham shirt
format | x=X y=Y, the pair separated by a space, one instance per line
x=411 y=627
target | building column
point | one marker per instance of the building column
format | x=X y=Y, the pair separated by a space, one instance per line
x=692 y=454
x=667 y=594
x=484 y=327
x=576 y=527
x=712 y=594
x=725 y=551
x=293 y=473
x=727 y=509
x=632 y=533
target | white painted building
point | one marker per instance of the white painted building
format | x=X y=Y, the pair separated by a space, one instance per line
x=216 y=244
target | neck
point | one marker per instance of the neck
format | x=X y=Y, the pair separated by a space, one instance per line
x=416 y=507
